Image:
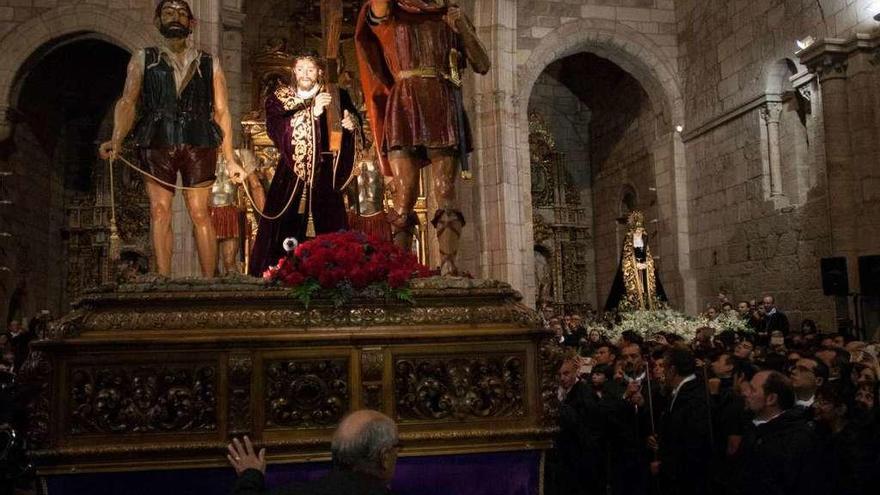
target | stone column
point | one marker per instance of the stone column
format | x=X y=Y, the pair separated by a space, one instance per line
x=828 y=61
x=838 y=150
x=206 y=36
x=231 y=42
x=770 y=115
x=503 y=199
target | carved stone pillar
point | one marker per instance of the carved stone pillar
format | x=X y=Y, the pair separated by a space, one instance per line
x=502 y=175
x=770 y=115
x=829 y=61
x=233 y=22
x=838 y=148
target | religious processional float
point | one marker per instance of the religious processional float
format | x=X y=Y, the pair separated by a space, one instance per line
x=639 y=301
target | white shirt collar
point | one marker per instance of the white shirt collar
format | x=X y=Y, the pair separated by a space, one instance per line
x=630 y=379
x=562 y=393
x=305 y=95
x=759 y=422
x=686 y=379
x=806 y=403
x=182 y=68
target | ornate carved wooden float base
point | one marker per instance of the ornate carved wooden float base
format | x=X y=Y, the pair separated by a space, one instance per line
x=161 y=374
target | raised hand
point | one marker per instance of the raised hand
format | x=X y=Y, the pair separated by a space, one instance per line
x=242 y=456
x=321 y=102
x=348 y=122
x=453 y=14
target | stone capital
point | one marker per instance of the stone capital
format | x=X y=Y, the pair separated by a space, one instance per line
x=830 y=66
x=771 y=111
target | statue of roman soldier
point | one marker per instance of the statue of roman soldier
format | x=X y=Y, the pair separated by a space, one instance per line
x=411 y=53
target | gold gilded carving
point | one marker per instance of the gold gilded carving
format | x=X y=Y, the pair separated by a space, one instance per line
x=372 y=369
x=372 y=365
x=161 y=319
x=240 y=371
x=459 y=387
x=142 y=399
x=550 y=356
x=306 y=393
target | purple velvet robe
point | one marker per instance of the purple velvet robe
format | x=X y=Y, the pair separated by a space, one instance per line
x=285 y=116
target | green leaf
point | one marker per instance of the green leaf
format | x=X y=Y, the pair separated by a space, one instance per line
x=306 y=291
x=404 y=294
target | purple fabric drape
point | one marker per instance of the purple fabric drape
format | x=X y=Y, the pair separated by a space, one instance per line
x=510 y=473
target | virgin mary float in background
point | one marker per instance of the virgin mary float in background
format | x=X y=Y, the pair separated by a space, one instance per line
x=637 y=285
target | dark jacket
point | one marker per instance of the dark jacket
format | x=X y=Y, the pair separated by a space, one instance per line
x=685 y=447
x=337 y=482
x=578 y=444
x=848 y=457
x=776 y=321
x=781 y=457
x=628 y=430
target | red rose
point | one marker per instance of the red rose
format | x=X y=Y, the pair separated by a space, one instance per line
x=293 y=279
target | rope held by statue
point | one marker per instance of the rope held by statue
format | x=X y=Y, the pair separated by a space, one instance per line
x=182 y=188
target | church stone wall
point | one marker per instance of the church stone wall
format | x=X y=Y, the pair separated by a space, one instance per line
x=744 y=242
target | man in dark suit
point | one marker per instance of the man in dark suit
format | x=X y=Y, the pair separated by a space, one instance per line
x=575 y=464
x=685 y=448
x=364 y=452
x=773 y=320
x=630 y=424
x=780 y=450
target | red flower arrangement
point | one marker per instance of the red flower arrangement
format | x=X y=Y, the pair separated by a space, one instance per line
x=345 y=263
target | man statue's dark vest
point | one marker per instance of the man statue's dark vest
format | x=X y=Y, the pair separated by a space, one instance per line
x=168 y=120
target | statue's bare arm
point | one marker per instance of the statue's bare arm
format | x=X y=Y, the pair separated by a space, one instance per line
x=126 y=106
x=380 y=8
x=223 y=118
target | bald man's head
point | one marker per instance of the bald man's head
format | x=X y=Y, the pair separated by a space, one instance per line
x=366 y=442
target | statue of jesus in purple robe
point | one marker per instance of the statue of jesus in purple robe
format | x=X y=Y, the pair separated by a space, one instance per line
x=306 y=189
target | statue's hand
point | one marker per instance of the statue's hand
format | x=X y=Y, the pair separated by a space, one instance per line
x=453 y=14
x=108 y=150
x=235 y=171
x=348 y=122
x=321 y=102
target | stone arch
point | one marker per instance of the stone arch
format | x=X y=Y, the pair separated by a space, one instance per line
x=632 y=51
x=777 y=76
x=74 y=22
x=638 y=55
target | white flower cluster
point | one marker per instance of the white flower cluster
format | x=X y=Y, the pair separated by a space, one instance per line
x=727 y=321
x=648 y=323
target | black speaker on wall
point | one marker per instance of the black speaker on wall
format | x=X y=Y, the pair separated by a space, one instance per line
x=869 y=275
x=835 y=281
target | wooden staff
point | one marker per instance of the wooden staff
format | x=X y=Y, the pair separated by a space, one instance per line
x=331 y=20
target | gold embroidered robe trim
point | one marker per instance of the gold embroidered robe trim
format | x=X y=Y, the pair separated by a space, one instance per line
x=302 y=136
x=638 y=296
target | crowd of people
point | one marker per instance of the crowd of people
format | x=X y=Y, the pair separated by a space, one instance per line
x=765 y=411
